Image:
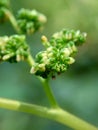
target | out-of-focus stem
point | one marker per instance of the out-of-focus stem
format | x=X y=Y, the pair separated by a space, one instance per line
x=12 y=19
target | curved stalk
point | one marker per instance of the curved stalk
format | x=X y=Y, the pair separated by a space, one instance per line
x=12 y=19
x=56 y=114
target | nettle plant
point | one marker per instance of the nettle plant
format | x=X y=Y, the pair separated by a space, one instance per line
x=54 y=59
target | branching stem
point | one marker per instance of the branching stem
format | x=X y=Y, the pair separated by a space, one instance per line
x=56 y=114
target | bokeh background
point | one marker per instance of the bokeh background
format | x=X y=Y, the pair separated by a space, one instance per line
x=77 y=89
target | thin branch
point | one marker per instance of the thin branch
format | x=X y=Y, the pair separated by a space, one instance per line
x=49 y=92
x=30 y=60
x=12 y=19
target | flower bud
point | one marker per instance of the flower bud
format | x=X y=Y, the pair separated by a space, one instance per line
x=34 y=69
x=71 y=60
x=41 y=67
x=6 y=57
x=65 y=52
x=45 y=41
x=42 y=18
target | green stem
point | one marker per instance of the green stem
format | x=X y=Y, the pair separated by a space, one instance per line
x=49 y=93
x=12 y=19
x=56 y=114
x=30 y=60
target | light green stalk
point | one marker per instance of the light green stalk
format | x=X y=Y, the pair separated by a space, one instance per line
x=12 y=19
x=56 y=114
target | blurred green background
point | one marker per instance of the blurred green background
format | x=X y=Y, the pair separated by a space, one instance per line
x=77 y=89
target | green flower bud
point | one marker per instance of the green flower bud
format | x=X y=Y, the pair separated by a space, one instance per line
x=65 y=52
x=41 y=67
x=34 y=68
x=79 y=38
x=71 y=60
x=42 y=18
x=8 y=56
x=45 y=41
x=50 y=49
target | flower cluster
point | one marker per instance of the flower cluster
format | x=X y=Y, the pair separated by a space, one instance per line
x=30 y=21
x=13 y=48
x=3 y=5
x=58 y=54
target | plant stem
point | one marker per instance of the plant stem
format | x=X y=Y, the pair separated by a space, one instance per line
x=56 y=114
x=49 y=93
x=30 y=60
x=12 y=19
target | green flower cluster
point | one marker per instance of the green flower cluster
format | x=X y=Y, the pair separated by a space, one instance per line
x=58 y=54
x=13 y=48
x=30 y=21
x=3 y=5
